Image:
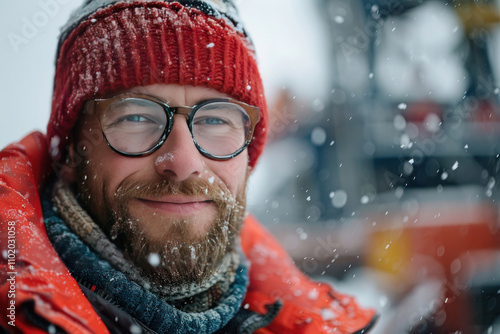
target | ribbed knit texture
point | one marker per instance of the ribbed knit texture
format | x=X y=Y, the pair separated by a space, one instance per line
x=144 y=43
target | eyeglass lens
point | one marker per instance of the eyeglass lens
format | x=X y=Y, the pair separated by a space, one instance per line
x=136 y=125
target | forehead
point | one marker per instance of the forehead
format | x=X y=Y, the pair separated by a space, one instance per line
x=179 y=95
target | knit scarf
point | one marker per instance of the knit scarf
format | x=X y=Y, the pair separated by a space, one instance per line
x=104 y=268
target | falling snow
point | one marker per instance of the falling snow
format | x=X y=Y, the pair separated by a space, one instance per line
x=339 y=198
x=313 y=294
x=328 y=314
x=383 y=300
x=318 y=136
x=54 y=146
x=154 y=259
x=135 y=329
x=318 y=105
x=339 y=19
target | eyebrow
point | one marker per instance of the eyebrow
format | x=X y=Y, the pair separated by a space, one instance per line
x=198 y=101
x=146 y=94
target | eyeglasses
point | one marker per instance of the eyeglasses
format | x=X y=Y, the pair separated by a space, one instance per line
x=136 y=125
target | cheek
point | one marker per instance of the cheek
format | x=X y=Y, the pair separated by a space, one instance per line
x=114 y=170
x=232 y=172
x=106 y=167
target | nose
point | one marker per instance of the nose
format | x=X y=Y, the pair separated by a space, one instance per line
x=178 y=157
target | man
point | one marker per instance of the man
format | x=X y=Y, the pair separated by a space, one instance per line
x=136 y=222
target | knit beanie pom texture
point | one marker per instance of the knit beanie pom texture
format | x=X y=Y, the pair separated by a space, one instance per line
x=130 y=44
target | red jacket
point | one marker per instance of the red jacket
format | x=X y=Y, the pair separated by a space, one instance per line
x=31 y=271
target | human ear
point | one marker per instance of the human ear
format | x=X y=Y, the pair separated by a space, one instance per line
x=68 y=174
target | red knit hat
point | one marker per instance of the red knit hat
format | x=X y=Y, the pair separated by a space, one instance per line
x=138 y=43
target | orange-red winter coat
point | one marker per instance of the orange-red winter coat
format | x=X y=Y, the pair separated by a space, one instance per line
x=31 y=272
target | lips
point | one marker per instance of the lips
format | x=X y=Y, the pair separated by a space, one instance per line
x=178 y=205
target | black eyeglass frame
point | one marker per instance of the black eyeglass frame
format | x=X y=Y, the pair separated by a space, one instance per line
x=97 y=106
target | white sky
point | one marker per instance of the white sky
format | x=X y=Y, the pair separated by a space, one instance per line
x=288 y=36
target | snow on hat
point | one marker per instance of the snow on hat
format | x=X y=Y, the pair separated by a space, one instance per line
x=110 y=46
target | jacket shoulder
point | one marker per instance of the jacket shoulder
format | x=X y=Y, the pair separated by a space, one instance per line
x=34 y=281
x=308 y=306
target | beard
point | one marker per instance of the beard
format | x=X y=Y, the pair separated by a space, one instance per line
x=167 y=250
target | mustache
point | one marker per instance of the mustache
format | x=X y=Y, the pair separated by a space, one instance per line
x=194 y=186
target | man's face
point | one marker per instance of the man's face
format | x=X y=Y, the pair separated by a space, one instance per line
x=174 y=205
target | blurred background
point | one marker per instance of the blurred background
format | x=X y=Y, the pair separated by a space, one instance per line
x=381 y=173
